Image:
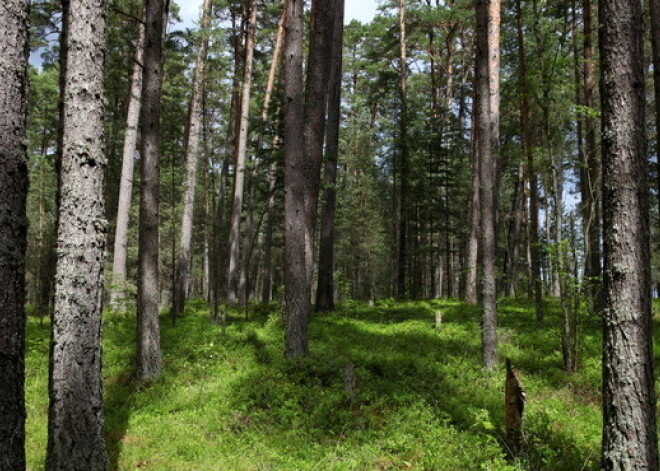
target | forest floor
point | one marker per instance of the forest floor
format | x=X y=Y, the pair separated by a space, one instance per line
x=231 y=402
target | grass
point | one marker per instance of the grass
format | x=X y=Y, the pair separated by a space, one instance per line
x=422 y=401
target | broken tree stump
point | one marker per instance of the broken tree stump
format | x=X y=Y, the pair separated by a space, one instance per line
x=514 y=403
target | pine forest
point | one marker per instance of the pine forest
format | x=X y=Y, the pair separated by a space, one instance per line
x=329 y=235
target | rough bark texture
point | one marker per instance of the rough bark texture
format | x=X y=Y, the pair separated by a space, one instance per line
x=195 y=123
x=13 y=229
x=325 y=288
x=654 y=6
x=629 y=408
x=487 y=13
x=296 y=283
x=75 y=422
x=148 y=329
x=120 y=254
x=316 y=96
x=239 y=162
x=487 y=176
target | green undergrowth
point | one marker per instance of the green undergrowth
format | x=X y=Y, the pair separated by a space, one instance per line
x=231 y=402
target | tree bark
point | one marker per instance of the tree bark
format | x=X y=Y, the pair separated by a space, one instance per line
x=239 y=162
x=487 y=71
x=316 y=101
x=148 y=351
x=13 y=230
x=591 y=176
x=629 y=403
x=120 y=254
x=75 y=421
x=325 y=300
x=526 y=131
x=296 y=284
x=404 y=166
x=195 y=122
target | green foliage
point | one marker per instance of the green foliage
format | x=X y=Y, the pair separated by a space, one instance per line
x=422 y=400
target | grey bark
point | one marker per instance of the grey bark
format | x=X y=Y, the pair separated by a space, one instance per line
x=315 y=106
x=296 y=284
x=13 y=229
x=325 y=287
x=192 y=160
x=148 y=329
x=239 y=162
x=629 y=402
x=75 y=419
x=487 y=13
x=120 y=253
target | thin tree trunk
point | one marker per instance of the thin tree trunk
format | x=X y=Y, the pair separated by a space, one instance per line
x=76 y=402
x=120 y=254
x=325 y=300
x=13 y=230
x=591 y=190
x=239 y=163
x=630 y=439
x=148 y=351
x=296 y=285
x=192 y=159
x=266 y=289
x=404 y=167
x=471 y=280
x=515 y=229
x=487 y=121
x=526 y=131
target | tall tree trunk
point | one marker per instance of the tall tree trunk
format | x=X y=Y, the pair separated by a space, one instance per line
x=13 y=230
x=526 y=131
x=515 y=229
x=239 y=163
x=629 y=407
x=120 y=254
x=487 y=121
x=404 y=166
x=296 y=284
x=591 y=176
x=148 y=351
x=472 y=277
x=192 y=159
x=75 y=418
x=316 y=101
x=266 y=282
x=325 y=300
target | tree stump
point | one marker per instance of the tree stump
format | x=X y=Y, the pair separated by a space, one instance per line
x=514 y=403
x=350 y=382
x=438 y=319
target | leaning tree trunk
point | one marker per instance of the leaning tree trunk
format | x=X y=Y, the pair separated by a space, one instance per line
x=13 y=230
x=629 y=406
x=487 y=40
x=195 y=124
x=325 y=288
x=120 y=255
x=75 y=422
x=148 y=351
